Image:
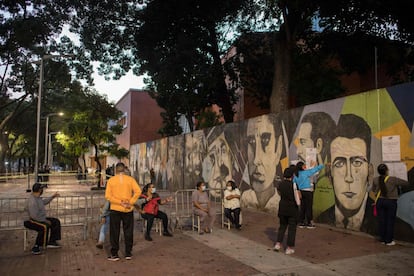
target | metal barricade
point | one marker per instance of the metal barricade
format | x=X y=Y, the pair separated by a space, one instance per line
x=184 y=205
x=70 y=210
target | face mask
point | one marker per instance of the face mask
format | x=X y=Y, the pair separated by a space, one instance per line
x=229 y=188
x=203 y=188
x=154 y=190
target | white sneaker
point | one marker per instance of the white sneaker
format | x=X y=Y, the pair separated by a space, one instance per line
x=289 y=251
x=277 y=246
x=391 y=243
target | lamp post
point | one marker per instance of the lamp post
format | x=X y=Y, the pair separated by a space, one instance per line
x=39 y=106
x=47 y=135
x=49 y=156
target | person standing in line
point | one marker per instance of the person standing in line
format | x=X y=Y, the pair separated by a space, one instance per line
x=39 y=222
x=203 y=208
x=387 y=202
x=288 y=211
x=302 y=179
x=122 y=191
x=104 y=218
x=231 y=204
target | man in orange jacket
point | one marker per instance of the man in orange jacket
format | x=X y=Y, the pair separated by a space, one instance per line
x=122 y=191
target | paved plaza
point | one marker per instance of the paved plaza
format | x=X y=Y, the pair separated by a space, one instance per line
x=321 y=251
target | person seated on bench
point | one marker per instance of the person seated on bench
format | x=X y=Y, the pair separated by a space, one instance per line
x=231 y=204
x=39 y=222
x=149 y=202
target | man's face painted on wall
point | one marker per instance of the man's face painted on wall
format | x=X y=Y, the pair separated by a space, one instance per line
x=194 y=152
x=261 y=154
x=349 y=170
x=304 y=141
x=221 y=163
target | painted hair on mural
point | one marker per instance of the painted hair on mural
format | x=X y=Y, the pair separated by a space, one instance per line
x=352 y=126
x=322 y=127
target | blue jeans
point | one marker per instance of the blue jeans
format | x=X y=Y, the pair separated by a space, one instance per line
x=104 y=230
x=387 y=211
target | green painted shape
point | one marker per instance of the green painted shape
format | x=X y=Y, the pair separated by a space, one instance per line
x=366 y=105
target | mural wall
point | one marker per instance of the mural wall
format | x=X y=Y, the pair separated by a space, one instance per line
x=350 y=135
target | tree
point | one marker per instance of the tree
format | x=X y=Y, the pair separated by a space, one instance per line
x=88 y=126
x=28 y=31
x=176 y=43
x=292 y=22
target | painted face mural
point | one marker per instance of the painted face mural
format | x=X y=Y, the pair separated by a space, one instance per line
x=262 y=153
x=349 y=171
x=304 y=140
x=194 y=152
x=220 y=161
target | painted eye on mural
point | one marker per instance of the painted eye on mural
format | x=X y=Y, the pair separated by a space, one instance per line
x=212 y=159
x=339 y=162
x=358 y=161
x=251 y=141
x=302 y=141
x=265 y=139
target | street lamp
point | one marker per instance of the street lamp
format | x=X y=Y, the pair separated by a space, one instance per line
x=47 y=134
x=39 y=106
x=49 y=156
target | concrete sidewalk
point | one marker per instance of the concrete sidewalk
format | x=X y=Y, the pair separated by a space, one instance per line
x=268 y=262
x=321 y=251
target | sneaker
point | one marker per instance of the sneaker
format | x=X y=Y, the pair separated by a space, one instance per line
x=167 y=234
x=99 y=245
x=36 y=250
x=391 y=243
x=311 y=226
x=277 y=247
x=302 y=225
x=289 y=251
x=128 y=257
x=53 y=245
x=113 y=258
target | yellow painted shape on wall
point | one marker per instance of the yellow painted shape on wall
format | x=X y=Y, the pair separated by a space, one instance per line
x=400 y=128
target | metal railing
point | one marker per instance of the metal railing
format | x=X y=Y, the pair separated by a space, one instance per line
x=70 y=210
x=184 y=205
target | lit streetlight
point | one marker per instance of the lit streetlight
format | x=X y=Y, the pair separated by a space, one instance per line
x=39 y=106
x=47 y=134
x=49 y=156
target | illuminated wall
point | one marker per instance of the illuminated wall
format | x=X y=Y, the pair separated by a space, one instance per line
x=346 y=134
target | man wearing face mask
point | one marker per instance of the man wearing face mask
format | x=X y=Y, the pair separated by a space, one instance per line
x=40 y=223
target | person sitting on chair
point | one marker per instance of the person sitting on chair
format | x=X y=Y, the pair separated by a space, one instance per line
x=40 y=223
x=149 y=202
x=231 y=204
x=203 y=208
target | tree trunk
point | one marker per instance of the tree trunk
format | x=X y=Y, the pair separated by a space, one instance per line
x=279 y=99
x=222 y=94
x=99 y=166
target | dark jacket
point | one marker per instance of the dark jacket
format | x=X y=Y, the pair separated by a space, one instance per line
x=287 y=204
